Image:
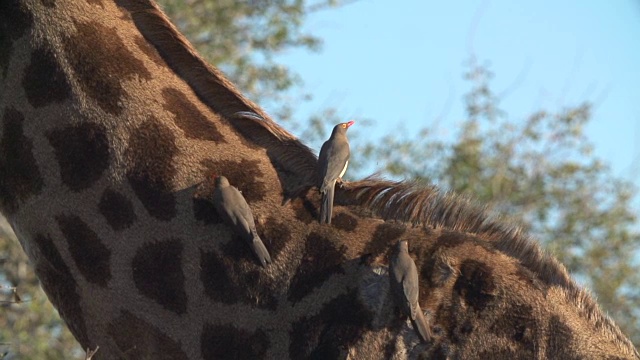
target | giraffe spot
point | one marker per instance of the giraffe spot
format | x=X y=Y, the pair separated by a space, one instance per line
x=157 y=273
x=275 y=236
x=188 y=118
x=102 y=62
x=320 y=260
x=440 y=351
x=559 y=340
x=437 y=270
x=117 y=209
x=518 y=324
x=217 y=283
x=383 y=237
x=526 y=276
x=14 y=21
x=236 y=277
x=229 y=342
x=58 y=282
x=203 y=210
x=19 y=174
x=242 y=174
x=502 y=353
x=475 y=284
x=86 y=248
x=331 y=332
x=305 y=210
x=344 y=221
x=138 y=339
x=95 y=2
x=44 y=82
x=82 y=152
x=48 y=3
x=151 y=151
x=146 y=48
x=450 y=239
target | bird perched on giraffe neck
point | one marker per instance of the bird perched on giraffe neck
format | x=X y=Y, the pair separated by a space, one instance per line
x=403 y=279
x=235 y=212
x=332 y=164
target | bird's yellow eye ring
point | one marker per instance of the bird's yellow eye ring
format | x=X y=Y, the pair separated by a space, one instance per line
x=344 y=125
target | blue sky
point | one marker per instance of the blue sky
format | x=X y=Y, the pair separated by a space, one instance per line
x=402 y=61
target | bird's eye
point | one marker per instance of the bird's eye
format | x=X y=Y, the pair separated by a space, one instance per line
x=344 y=125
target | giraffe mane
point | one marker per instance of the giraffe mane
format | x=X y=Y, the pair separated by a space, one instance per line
x=218 y=93
x=413 y=203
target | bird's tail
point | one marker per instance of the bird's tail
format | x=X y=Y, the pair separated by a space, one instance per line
x=326 y=206
x=422 y=326
x=260 y=250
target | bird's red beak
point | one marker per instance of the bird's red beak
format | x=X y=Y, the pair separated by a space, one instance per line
x=350 y=123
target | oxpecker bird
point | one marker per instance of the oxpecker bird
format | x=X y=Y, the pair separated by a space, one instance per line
x=403 y=276
x=332 y=164
x=235 y=212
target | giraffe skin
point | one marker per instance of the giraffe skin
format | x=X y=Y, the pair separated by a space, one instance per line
x=109 y=119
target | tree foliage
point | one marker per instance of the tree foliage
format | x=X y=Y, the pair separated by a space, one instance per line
x=539 y=170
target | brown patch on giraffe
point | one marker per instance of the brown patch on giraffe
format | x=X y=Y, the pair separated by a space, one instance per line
x=138 y=339
x=58 y=282
x=383 y=237
x=328 y=334
x=82 y=152
x=14 y=21
x=450 y=239
x=439 y=351
x=526 y=276
x=235 y=277
x=96 y=2
x=559 y=340
x=275 y=236
x=229 y=342
x=344 y=221
x=90 y=254
x=437 y=270
x=518 y=324
x=20 y=176
x=503 y=353
x=145 y=47
x=117 y=209
x=48 y=3
x=157 y=273
x=242 y=174
x=151 y=150
x=44 y=82
x=205 y=211
x=475 y=284
x=188 y=118
x=101 y=62
x=321 y=259
x=305 y=210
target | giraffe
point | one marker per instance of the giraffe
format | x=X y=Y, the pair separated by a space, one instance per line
x=109 y=120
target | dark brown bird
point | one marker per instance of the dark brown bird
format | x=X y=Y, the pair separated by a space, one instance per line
x=332 y=164
x=235 y=212
x=403 y=276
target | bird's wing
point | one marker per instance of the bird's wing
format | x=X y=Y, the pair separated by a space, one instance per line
x=322 y=162
x=337 y=157
x=411 y=287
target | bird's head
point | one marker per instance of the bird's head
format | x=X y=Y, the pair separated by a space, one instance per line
x=220 y=181
x=403 y=245
x=342 y=127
